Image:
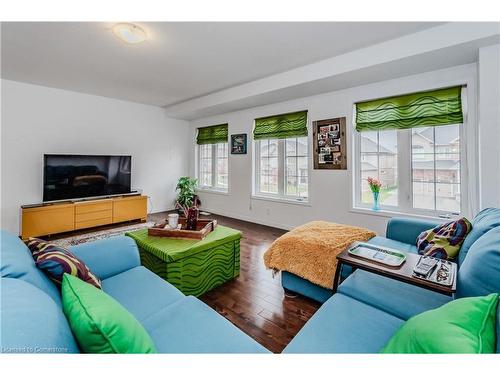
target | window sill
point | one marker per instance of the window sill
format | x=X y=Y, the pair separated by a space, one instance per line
x=281 y=200
x=212 y=191
x=390 y=214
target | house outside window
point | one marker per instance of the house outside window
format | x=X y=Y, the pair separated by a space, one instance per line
x=436 y=168
x=417 y=159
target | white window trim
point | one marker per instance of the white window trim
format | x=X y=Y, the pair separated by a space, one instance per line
x=212 y=191
x=405 y=187
x=213 y=188
x=281 y=200
x=280 y=196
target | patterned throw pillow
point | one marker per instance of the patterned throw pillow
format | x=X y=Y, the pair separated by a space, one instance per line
x=445 y=240
x=56 y=261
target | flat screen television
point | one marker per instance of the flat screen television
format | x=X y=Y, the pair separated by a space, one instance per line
x=68 y=177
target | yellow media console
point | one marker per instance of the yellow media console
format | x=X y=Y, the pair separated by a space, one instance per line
x=46 y=219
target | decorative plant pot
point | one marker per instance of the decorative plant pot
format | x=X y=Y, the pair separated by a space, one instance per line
x=192 y=218
x=376 y=206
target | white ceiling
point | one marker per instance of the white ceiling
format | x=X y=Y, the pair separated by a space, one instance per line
x=180 y=61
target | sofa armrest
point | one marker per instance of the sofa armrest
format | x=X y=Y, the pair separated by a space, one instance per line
x=407 y=230
x=109 y=257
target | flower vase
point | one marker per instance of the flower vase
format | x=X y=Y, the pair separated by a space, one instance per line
x=375 y=201
x=192 y=218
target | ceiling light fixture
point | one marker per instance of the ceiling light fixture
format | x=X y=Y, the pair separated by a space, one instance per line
x=129 y=33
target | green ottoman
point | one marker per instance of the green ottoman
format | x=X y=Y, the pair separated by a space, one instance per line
x=192 y=266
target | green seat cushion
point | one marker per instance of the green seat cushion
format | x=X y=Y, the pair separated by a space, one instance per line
x=465 y=325
x=99 y=323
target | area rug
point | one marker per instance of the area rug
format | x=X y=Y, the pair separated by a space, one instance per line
x=99 y=235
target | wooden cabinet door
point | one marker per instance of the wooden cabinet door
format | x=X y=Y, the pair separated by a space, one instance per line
x=41 y=221
x=131 y=208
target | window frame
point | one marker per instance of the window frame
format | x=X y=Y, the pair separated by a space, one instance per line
x=214 y=158
x=440 y=213
x=281 y=194
x=405 y=179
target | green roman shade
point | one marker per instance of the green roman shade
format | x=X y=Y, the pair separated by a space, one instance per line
x=212 y=134
x=430 y=108
x=281 y=126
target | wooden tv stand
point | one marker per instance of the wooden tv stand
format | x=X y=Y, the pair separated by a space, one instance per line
x=47 y=219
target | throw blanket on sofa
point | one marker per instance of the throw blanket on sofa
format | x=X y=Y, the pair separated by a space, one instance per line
x=310 y=251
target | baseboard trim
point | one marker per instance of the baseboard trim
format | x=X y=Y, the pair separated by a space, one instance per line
x=160 y=210
x=237 y=216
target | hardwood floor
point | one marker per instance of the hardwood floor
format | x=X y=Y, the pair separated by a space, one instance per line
x=255 y=301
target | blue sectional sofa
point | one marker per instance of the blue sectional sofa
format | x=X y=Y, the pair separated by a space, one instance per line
x=360 y=318
x=32 y=320
x=368 y=309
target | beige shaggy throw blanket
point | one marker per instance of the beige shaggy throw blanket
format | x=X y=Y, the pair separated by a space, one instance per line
x=310 y=251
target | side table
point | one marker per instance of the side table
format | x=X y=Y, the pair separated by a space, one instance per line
x=402 y=273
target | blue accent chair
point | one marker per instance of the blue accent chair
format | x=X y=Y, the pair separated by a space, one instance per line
x=368 y=309
x=32 y=320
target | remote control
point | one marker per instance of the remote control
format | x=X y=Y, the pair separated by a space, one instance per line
x=425 y=266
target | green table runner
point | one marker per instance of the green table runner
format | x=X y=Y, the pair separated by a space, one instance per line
x=173 y=249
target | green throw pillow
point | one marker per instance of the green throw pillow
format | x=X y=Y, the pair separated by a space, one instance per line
x=99 y=323
x=465 y=325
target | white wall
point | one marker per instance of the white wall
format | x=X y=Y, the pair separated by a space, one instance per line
x=37 y=120
x=330 y=191
x=489 y=124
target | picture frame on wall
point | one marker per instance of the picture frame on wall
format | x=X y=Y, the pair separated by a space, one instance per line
x=330 y=144
x=238 y=144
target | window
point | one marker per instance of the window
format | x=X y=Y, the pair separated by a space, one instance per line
x=297 y=171
x=281 y=156
x=282 y=168
x=221 y=161
x=205 y=165
x=433 y=173
x=379 y=159
x=213 y=171
x=412 y=145
x=213 y=157
x=269 y=166
x=436 y=168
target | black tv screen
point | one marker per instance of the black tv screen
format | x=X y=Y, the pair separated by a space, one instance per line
x=82 y=176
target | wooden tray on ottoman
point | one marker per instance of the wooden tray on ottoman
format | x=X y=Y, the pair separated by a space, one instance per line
x=203 y=227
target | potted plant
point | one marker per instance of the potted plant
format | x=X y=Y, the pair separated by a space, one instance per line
x=187 y=201
x=187 y=191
